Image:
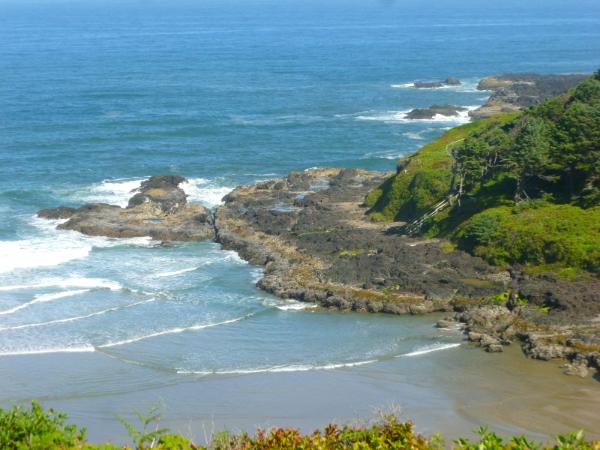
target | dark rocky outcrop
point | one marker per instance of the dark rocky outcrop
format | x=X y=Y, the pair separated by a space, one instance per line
x=310 y=232
x=450 y=81
x=158 y=209
x=432 y=111
x=514 y=92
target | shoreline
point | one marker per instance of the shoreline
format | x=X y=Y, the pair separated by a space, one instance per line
x=311 y=233
x=441 y=401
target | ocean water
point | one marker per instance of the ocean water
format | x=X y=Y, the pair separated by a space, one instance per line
x=96 y=96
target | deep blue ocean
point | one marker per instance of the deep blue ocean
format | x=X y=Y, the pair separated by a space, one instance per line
x=97 y=95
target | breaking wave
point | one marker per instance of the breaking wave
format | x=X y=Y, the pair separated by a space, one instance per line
x=175 y=330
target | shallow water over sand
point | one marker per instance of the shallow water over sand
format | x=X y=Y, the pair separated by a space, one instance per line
x=451 y=391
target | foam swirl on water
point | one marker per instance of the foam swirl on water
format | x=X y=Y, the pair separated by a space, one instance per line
x=43 y=298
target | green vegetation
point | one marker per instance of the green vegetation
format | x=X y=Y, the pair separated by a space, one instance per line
x=422 y=179
x=35 y=429
x=520 y=187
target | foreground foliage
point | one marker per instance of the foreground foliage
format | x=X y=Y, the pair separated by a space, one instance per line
x=36 y=429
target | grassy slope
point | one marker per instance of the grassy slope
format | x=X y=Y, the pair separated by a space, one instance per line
x=424 y=177
x=554 y=233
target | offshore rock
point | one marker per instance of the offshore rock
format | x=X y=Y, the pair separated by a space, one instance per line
x=158 y=209
x=434 y=110
x=450 y=81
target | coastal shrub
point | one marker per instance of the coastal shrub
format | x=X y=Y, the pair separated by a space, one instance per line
x=489 y=440
x=36 y=429
x=150 y=433
x=559 y=235
x=422 y=179
x=389 y=433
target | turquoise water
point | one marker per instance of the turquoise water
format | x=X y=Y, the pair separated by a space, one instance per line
x=98 y=95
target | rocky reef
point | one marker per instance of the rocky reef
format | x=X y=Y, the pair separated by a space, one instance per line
x=450 y=81
x=434 y=110
x=158 y=209
x=514 y=92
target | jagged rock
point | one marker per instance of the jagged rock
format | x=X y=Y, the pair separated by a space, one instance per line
x=446 y=322
x=434 y=110
x=62 y=212
x=161 y=191
x=543 y=346
x=489 y=318
x=474 y=337
x=578 y=370
x=494 y=348
x=159 y=209
x=450 y=81
x=514 y=92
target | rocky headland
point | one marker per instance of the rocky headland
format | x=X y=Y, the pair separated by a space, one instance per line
x=339 y=238
x=514 y=92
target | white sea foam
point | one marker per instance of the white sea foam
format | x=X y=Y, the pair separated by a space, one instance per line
x=278 y=369
x=429 y=349
x=288 y=305
x=418 y=135
x=118 y=192
x=233 y=256
x=76 y=318
x=206 y=192
x=176 y=330
x=403 y=85
x=39 y=351
x=38 y=252
x=43 y=298
x=391 y=154
x=113 y=192
x=52 y=247
x=257 y=274
x=89 y=283
x=175 y=272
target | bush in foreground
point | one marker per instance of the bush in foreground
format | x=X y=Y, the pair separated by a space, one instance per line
x=36 y=429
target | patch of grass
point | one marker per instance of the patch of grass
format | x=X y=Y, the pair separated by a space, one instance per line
x=565 y=236
x=351 y=253
x=423 y=179
x=447 y=247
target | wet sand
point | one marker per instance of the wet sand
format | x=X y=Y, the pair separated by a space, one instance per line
x=451 y=391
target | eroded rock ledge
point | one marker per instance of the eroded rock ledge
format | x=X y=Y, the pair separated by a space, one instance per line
x=311 y=233
x=514 y=92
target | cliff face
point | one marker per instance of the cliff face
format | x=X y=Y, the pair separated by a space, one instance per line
x=514 y=92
